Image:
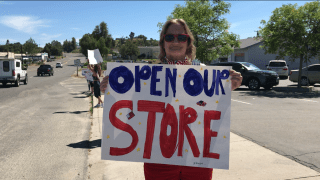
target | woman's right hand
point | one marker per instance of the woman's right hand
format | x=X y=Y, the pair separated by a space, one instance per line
x=104 y=84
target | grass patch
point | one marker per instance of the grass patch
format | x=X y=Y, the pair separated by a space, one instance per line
x=91 y=108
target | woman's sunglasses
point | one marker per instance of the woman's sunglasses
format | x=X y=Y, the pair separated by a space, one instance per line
x=181 y=37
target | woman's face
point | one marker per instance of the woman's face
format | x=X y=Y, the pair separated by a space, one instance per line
x=175 y=50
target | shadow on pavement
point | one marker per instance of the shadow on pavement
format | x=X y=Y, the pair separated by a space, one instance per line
x=80 y=97
x=86 y=144
x=7 y=86
x=276 y=94
x=74 y=112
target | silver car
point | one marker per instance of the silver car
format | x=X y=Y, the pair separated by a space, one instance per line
x=309 y=74
x=280 y=67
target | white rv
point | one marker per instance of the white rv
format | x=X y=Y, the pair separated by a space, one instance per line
x=12 y=71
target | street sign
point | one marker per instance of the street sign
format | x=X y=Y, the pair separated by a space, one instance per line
x=77 y=62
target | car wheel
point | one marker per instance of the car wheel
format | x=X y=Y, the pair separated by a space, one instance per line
x=41 y=74
x=268 y=87
x=26 y=80
x=17 y=83
x=254 y=84
x=49 y=74
x=304 y=81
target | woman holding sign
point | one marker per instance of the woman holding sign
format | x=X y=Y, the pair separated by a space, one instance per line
x=96 y=70
x=176 y=47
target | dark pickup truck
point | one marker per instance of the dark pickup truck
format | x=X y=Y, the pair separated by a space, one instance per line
x=45 y=69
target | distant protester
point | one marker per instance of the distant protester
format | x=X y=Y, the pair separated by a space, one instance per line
x=96 y=73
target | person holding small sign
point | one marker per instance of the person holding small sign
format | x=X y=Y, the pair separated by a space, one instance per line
x=96 y=70
x=176 y=48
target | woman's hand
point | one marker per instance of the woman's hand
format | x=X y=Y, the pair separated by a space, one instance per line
x=236 y=79
x=104 y=84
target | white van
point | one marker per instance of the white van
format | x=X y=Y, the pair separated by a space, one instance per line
x=11 y=71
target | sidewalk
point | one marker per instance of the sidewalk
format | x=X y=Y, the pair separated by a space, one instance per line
x=248 y=161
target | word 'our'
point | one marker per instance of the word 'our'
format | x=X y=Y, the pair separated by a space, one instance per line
x=193 y=82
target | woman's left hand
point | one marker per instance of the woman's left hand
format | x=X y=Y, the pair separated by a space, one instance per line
x=236 y=79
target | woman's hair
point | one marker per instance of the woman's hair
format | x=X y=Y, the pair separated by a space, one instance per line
x=191 y=49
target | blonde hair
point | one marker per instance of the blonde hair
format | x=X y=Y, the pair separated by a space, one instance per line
x=191 y=49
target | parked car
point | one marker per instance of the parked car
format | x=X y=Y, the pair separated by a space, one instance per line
x=12 y=71
x=49 y=60
x=59 y=64
x=309 y=74
x=45 y=69
x=253 y=77
x=280 y=67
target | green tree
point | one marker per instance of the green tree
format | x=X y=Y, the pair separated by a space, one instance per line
x=30 y=46
x=96 y=33
x=101 y=45
x=74 y=43
x=47 y=49
x=208 y=28
x=103 y=30
x=129 y=49
x=293 y=31
x=108 y=41
x=56 y=48
x=87 y=42
x=66 y=46
x=100 y=31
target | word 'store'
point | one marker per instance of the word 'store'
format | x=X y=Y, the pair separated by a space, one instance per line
x=167 y=114
x=187 y=116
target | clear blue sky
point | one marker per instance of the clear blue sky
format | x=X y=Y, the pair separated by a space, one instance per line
x=45 y=21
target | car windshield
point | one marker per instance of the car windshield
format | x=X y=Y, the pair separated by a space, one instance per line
x=277 y=64
x=250 y=66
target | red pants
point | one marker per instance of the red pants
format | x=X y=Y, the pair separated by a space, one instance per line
x=174 y=172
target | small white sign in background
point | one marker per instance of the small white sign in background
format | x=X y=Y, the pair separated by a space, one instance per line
x=94 y=56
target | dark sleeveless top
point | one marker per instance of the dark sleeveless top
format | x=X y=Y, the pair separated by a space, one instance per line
x=95 y=78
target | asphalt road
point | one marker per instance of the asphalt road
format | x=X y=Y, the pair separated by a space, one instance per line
x=45 y=126
x=286 y=123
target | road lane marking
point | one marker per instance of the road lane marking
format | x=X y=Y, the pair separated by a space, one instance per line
x=308 y=100
x=241 y=102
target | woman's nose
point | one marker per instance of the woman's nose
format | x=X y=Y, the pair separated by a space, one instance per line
x=175 y=40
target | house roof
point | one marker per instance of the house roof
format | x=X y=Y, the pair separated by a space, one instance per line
x=244 y=43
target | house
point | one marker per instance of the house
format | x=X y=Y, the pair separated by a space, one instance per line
x=250 y=51
x=35 y=57
x=152 y=51
x=5 y=55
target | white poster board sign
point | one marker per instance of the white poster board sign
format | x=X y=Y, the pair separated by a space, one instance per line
x=94 y=56
x=84 y=71
x=167 y=114
x=88 y=74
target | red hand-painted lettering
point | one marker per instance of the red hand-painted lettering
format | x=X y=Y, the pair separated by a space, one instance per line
x=152 y=107
x=184 y=128
x=117 y=123
x=168 y=143
x=208 y=133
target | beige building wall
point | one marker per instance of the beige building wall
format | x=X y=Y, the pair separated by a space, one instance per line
x=9 y=55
